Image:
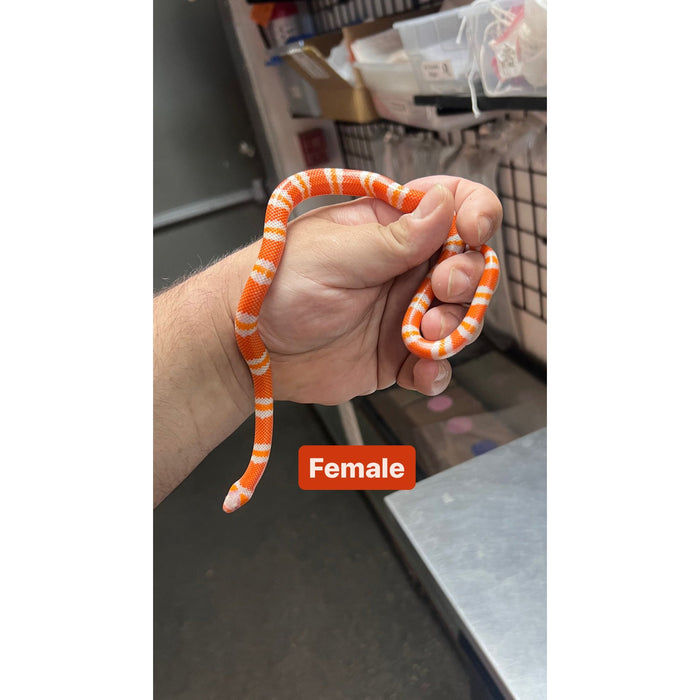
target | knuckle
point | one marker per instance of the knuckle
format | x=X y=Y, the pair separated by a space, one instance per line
x=397 y=233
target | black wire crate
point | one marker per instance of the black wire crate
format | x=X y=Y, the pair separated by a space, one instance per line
x=515 y=145
x=523 y=192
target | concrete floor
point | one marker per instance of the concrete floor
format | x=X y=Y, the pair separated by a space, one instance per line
x=299 y=594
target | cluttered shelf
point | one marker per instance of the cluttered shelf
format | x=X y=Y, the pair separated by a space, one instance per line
x=429 y=67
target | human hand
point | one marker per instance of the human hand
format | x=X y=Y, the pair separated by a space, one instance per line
x=331 y=320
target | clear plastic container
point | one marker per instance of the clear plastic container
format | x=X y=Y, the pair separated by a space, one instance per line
x=383 y=47
x=380 y=77
x=509 y=38
x=438 y=47
x=399 y=107
x=392 y=81
x=384 y=64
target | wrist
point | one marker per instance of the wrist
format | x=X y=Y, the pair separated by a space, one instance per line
x=202 y=386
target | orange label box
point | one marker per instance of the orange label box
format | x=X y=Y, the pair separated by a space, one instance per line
x=357 y=467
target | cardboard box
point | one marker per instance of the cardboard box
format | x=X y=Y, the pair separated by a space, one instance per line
x=339 y=99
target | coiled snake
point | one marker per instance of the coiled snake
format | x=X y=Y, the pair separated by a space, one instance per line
x=289 y=193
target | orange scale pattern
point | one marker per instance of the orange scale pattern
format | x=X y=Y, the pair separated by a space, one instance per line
x=291 y=192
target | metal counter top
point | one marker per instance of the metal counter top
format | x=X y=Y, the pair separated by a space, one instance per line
x=479 y=531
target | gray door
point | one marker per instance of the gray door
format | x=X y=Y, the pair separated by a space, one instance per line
x=208 y=195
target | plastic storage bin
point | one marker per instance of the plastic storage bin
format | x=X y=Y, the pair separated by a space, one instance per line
x=382 y=78
x=390 y=77
x=441 y=63
x=383 y=47
x=383 y=63
x=399 y=107
x=509 y=38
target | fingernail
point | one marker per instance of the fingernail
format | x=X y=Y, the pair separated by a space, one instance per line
x=430 y=201
x=484 y=226
x=439 y=381
x=457 y=283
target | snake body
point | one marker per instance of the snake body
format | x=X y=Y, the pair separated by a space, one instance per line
x=287 y=195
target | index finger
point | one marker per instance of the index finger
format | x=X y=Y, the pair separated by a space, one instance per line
x=478 y=209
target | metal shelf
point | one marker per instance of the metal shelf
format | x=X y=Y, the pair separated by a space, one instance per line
x=451 y=104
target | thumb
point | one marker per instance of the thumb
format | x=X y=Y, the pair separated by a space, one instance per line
x=382 y=252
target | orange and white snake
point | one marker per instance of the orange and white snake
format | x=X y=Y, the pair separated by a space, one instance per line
x=289 y=193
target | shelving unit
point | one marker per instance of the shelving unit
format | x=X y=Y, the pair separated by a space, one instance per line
x=449 y=104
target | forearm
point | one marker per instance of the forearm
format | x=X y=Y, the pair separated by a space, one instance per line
x=202 y=389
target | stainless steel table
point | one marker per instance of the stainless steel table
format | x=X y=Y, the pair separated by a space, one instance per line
x=476 y=536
